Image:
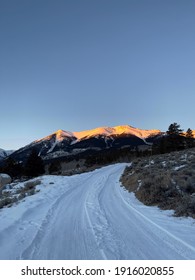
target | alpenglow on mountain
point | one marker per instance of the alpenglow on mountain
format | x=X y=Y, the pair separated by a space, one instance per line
x=64 y=143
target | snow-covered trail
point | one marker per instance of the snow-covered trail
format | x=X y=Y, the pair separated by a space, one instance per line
x=90 y=216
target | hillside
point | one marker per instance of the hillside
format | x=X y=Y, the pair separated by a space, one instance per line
x=166 y=180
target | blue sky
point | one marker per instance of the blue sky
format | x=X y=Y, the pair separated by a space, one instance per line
x=81 y=64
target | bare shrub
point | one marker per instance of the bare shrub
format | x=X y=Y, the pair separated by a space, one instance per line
x=7 y=198
x=157 y=160
x=189 y=171
x=7 y=201
x=31 y=184
x=190 y=185
x=131 y=182
x=192 y=208
x=186 y=183
x=192 y=165
x=181 y=181
x=186 y=207
x=21 y=196
x=145 y=173
x=29 y=188
x=162 y=184
x=155 y=189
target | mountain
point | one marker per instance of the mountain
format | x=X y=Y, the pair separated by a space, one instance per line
x=4 y=154
x=64 y=143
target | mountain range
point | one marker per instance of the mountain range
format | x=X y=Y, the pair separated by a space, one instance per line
x=65 y=143
x=5 y=153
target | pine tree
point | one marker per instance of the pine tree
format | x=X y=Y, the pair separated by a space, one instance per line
x=189 y=133
x=189 y=138
x=163 y=145
x=174 y=129
x=34 y=165
x=175 y=138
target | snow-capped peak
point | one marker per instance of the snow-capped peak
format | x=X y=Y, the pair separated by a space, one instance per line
x=59 y=134
x=106 y=131
x=142 y=133
x=100 y=131
x=116 y=130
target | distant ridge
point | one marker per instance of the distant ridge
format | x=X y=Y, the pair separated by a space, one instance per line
x=5 y=153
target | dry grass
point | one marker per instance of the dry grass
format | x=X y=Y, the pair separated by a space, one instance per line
x=167 y=181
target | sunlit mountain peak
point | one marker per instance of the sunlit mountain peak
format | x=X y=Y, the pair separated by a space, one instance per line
x=61 y=134
x=100 y=131
x=93 y=132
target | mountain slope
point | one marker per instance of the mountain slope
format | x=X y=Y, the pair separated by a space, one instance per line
x=4 y=153
x=90 y=216
x=114 y=131
x=63 y=143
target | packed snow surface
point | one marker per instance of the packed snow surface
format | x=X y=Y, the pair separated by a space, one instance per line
x=90 y=216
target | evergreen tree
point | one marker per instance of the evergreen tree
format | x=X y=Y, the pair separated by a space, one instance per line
x=174 y=129
x=189 y=138
x=175 y=138
x=189 y=133
x=13 y=168
x=163 y=145
x=34 y=165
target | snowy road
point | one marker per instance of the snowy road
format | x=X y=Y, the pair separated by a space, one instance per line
x=90 y=216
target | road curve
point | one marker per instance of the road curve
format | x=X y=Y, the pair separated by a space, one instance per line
x=93 y=217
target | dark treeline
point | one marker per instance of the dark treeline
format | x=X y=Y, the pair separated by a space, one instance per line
x=33 y=167
x=174 y=140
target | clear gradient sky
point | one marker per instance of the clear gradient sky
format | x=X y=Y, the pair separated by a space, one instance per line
x=81 y=64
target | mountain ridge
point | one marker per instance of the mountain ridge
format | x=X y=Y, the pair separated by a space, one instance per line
x=62 y=143
x=102 y=131
x=5 y=153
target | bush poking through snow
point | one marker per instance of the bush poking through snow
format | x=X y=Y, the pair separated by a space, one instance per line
x=31 y=184
x=14 y=195
x=7 y=201
x=29 y=188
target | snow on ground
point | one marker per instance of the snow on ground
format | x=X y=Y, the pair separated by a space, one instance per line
x=90 y=216
x=176 y=168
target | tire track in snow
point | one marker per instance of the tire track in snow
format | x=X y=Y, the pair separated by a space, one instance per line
x=34 y=247
x=37 y=250
x=108 y=242
x=178 y=241
x=93 y=232
x=98 y=224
